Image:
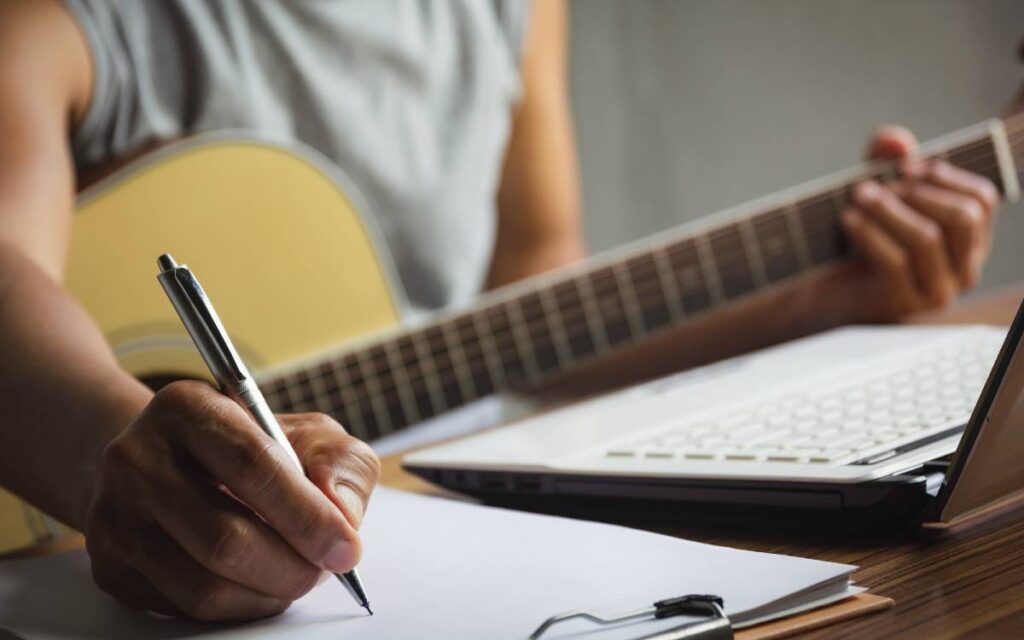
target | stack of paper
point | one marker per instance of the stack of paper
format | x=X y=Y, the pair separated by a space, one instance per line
x=441 y=569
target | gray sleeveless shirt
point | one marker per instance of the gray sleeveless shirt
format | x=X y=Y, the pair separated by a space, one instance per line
x=411 y=99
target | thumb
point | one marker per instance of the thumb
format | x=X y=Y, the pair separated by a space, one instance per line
x=891 y=141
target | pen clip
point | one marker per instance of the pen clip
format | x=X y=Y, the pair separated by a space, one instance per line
x=206 y=314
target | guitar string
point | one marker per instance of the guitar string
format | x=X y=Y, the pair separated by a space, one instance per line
x=725 y=260
x=475 y=373
x=643 y=306
x=471 y=355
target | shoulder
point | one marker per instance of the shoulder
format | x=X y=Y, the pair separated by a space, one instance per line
x=42 y=46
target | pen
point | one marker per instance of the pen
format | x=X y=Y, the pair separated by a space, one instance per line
x=212 y=341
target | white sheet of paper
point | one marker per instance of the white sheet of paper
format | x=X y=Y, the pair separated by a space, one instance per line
x=437 y=568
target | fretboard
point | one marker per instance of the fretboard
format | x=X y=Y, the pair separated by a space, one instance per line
x=529 y=332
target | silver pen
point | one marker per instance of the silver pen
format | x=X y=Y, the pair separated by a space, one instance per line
x=212 y=341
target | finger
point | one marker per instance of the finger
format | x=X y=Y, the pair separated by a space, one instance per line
x=343 y=467
x=228 y=539
x=196 y=591
x=962 y=220
x=884 y=254
x=954 y=178
x=921 y=235
x=130 y=587
x=229 y=446
x=891 y=141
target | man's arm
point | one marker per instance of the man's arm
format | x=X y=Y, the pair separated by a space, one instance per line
x=538 y=198
x=919 y=242
x=188 y=508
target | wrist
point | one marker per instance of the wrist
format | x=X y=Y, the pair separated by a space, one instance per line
x=121 y=402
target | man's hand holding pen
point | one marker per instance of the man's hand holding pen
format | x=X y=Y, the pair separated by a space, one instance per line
x=197 y=512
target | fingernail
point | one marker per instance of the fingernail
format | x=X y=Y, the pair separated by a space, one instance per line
x=352 y=502
x=341 y=557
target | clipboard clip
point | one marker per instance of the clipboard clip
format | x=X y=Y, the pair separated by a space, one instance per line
x=717 y=627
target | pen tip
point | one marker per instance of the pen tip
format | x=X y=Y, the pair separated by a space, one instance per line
x=366 y=605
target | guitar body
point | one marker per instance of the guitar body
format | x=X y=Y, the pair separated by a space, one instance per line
x=281 y=247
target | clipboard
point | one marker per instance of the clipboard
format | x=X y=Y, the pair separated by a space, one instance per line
x=716 y=624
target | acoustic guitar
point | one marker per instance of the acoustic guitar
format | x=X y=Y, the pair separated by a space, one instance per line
x=321 y=322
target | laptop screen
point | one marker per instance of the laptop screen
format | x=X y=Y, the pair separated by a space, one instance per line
x=987 y=466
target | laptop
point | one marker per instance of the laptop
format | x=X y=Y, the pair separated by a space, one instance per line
x=857 y=425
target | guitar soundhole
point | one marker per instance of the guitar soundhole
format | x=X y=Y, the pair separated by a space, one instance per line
x=158 y=381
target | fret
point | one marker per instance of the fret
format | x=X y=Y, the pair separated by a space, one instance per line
x=629 y=302
x=429 y=369
x=775 y=245
x=592 y=310
x=668 y=283
x=687 y=268
x=824 y=235
x=708 y=268
x=1009 y=176
x=754 y=257
x=294 y=394
x=373 y=390
x=798 y=235
x=543 y=343
x=321 y=395
x=272 y=394
x=401 y=378
x=492 y=357
x=610 y=305
x=651 y=297
x=733 y=270
x=576 y=325
x=556 y=325
x=413 y=366
x=465 y=331
x=521 y=339
x=463 y=375
x=354 y=421
x=506 y=346
x=448 y=374
x=841 y=198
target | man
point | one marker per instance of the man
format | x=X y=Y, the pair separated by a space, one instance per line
x=452 y=117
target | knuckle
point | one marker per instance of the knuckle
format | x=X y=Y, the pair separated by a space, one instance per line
x=970 y=214
x=989 y=194
x=900 y=262
x=255 y=463
x=231 y=545
x=365 y=457
x=122 y=458
x=929 y=234
x=177 y=396
x=327 y=422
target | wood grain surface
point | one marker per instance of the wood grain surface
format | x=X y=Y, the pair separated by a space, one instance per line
x=967 y=581
x=963 y=582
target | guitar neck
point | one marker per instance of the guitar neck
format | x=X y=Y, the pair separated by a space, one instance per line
x=532 y=331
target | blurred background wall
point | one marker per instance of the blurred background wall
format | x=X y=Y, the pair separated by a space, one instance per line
x=684 y=107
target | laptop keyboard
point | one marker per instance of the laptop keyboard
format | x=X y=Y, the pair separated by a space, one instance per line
x=862 y=417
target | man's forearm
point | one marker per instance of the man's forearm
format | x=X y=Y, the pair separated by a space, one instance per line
x=63 y=395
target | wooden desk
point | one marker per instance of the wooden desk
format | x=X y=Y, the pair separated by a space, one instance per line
x=963 y=583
